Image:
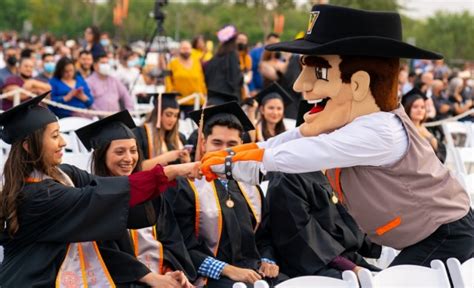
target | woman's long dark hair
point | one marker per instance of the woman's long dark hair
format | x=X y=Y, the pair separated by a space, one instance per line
x=61 y=66
x=227 y=47
x=95 y=33
x=19 y=166
x=99 y=161
x=279 y=127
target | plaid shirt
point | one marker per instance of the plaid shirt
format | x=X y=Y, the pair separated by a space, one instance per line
x=212 y=268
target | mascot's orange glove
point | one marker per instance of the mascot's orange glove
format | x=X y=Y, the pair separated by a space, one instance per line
x=242 y=166
x=224 y=153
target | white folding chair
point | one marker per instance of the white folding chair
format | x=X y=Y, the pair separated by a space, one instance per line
x=349 y=280
x=80 y=160
x=187 y=127
x=70 y=124
x=461 y=274
x=386 y=257
x=407 y=276
x=289 y=123
x=67 y=127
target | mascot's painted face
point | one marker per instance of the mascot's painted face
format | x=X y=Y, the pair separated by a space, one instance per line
x=336 y=103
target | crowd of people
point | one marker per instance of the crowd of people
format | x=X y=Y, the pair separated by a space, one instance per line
x=191 y=232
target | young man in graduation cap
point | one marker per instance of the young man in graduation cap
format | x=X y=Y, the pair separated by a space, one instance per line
x=220 y=220
x=385 y=174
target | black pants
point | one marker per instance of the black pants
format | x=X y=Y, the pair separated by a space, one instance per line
x=455 y=239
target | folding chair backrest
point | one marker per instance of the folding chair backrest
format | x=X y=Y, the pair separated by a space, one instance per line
x=349 y=280
x=407 y=276
x=461 y=274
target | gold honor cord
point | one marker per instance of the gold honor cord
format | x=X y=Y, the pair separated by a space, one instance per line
x=198 y=155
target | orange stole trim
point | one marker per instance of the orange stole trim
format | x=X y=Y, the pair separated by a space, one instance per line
x=196 y=201
x=134 y=235
x=102 y=264
x=336 y=183
x=160 y=265
x=149 y=138
x=32 y=180
x=389 y=226
x=58 y=277
x=83 y=265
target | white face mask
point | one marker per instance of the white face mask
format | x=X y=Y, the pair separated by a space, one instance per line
x=104 y=69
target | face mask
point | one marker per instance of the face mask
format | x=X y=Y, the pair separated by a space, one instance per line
x=241 y=46
x=141 y=61
x=49 y=67
x=104 y=69
x=11 y=60
x=104 y=42
x=185 y=55
x=132 y=63
x=112 y=62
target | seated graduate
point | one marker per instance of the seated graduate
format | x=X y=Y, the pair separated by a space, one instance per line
x=220 y=220
x=271 y=110
x=159 y=138
x=51 y=214
x=312 y=234
x=116 y=154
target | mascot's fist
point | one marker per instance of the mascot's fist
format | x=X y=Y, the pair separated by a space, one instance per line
x=242 y=166
x=224 y=153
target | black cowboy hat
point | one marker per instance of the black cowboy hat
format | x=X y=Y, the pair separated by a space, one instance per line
x=334 y=30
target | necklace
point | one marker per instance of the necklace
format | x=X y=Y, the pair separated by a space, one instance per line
x=229 y=202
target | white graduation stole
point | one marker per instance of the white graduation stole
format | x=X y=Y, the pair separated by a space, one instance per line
x=148 y=249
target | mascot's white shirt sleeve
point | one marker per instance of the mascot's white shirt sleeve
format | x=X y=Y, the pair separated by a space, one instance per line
x=377 y=139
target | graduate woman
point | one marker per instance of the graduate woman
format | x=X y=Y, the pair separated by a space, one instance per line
x=116 y=154
x=272 y=101
x=159 y=138
x=46 y=207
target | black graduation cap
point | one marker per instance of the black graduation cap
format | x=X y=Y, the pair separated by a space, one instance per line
x=168 y=100
x=274 y=91
x=219 y=98
x=412 y=95
x=24 y=119
x=99 y=133
x=303 y=107
x=227 y=108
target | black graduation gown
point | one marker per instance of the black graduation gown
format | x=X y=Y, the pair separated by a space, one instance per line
x=142 y=142
x=239 y=245
x=119 y=254
x=52 y=215
x=308 y=230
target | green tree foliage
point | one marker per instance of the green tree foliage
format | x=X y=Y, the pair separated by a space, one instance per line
x=450 y=34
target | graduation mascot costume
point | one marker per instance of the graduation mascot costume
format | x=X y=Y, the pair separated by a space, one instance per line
x=387 y=176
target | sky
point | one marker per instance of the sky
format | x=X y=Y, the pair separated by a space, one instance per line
x=420 y=9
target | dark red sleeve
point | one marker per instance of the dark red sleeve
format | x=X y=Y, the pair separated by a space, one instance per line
x=146 y=185
x=341 y=263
